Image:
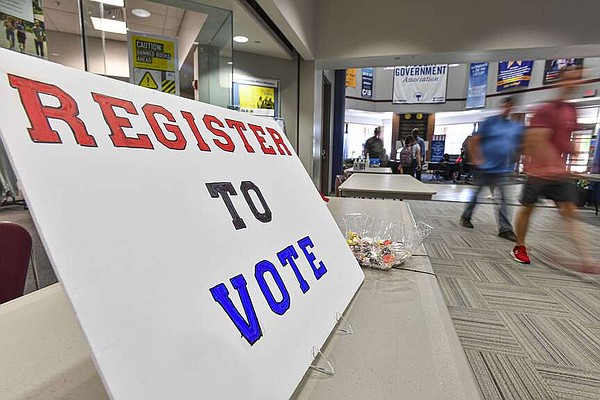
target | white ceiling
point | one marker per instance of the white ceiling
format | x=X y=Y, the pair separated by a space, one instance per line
x=165 y=19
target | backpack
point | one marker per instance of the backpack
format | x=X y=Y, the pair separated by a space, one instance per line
x=406 y=156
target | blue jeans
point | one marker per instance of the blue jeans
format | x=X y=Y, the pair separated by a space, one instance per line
x=499 y=181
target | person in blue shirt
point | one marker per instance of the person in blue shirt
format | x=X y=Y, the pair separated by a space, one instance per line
x=493 y=150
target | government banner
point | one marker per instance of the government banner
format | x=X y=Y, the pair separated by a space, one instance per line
x=478 y=76
x=420 y=84
x=512 y=74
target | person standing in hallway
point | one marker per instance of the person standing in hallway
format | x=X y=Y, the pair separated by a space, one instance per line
x=547 y=144
x=492 y=150
x=39 y=36
x=421 y=143
x=374 y=145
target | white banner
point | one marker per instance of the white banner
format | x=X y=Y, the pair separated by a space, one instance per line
x=420 y=84
x=22 y=9
x=199 y=257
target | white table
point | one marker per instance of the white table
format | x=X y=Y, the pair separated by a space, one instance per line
x=375 y=170
x=385 y=187
x=404 y=345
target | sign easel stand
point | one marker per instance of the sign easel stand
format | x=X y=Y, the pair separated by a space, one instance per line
x=347 y=329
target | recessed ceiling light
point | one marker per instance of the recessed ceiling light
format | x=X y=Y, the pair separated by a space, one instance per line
x=230 y=62
x=117 y=3
x=140 y=12
x=240 y=39
x=453 y=65
x=109 y=25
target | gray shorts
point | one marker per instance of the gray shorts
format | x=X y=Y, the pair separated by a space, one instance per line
x=560 y=191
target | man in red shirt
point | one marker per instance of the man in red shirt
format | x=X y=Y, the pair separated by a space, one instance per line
x=546 y=146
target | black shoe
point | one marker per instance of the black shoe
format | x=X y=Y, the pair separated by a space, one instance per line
x=466 y=223
x=508 y=235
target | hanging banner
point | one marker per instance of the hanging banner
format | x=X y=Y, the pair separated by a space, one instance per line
x=552 y=67
x=226 y=294
x=367 y=83
x=478 y=76
x=351 y=77
x=438 y=146
x=153 y=62
x=512 y=74
x=23 y=27
x=420 y=84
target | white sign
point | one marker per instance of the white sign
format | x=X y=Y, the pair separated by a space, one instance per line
x=22 y=9
x=420 y=84
x=198 y=255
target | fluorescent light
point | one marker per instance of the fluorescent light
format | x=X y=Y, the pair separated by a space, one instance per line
x=109 y=25
x=453 y=65
x=140 y=12
x=117 y=3
x=240 y=39
x=229 y=62
x=386 y=68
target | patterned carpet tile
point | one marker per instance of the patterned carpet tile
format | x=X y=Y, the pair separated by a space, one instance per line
x=496 y=272
x=555 y=341
x=452 y=268
x=520 y=299
x=507 y=377
x=461 y=293
x=484 y=330
x=554 y=277
x=582 y=303
x=570 y=383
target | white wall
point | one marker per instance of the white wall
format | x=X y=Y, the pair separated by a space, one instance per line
x=295 y=18
x=285 y=71
x=355 y=28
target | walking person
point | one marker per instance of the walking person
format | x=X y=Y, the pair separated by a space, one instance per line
x=39 y=36
x=21 y=36
x=547 y=144
x=373 y=147
x=421 y=143
x=491 y=149
x=9 y=27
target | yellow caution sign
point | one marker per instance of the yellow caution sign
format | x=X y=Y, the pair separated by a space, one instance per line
x=148 y=81
x=168 y=86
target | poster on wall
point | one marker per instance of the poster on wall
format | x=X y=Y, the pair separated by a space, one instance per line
x=351 y=77
x=512 y=74
x=256 y=96
x=153 y=62
x=478 y=76
x=23 y=27
x=227 y=295
x=367 y=83
x=420 y=84
x=552 y=67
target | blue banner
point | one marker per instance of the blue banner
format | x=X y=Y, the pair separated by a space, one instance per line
x=513 y=74
x=438 y=145
x=367 y=83
x=478 y=75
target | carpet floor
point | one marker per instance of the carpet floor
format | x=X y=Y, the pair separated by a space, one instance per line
x=529 y=332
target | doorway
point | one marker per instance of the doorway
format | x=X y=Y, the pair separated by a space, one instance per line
x=325 y=135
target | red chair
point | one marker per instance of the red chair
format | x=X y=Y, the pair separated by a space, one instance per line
x=15 y=253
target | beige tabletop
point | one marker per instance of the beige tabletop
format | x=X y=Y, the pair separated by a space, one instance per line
x=404 y=345
x=589 y=177
x=386 y=187
x=375 y=170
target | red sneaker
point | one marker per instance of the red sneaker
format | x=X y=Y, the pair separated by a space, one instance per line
x=519 y=253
